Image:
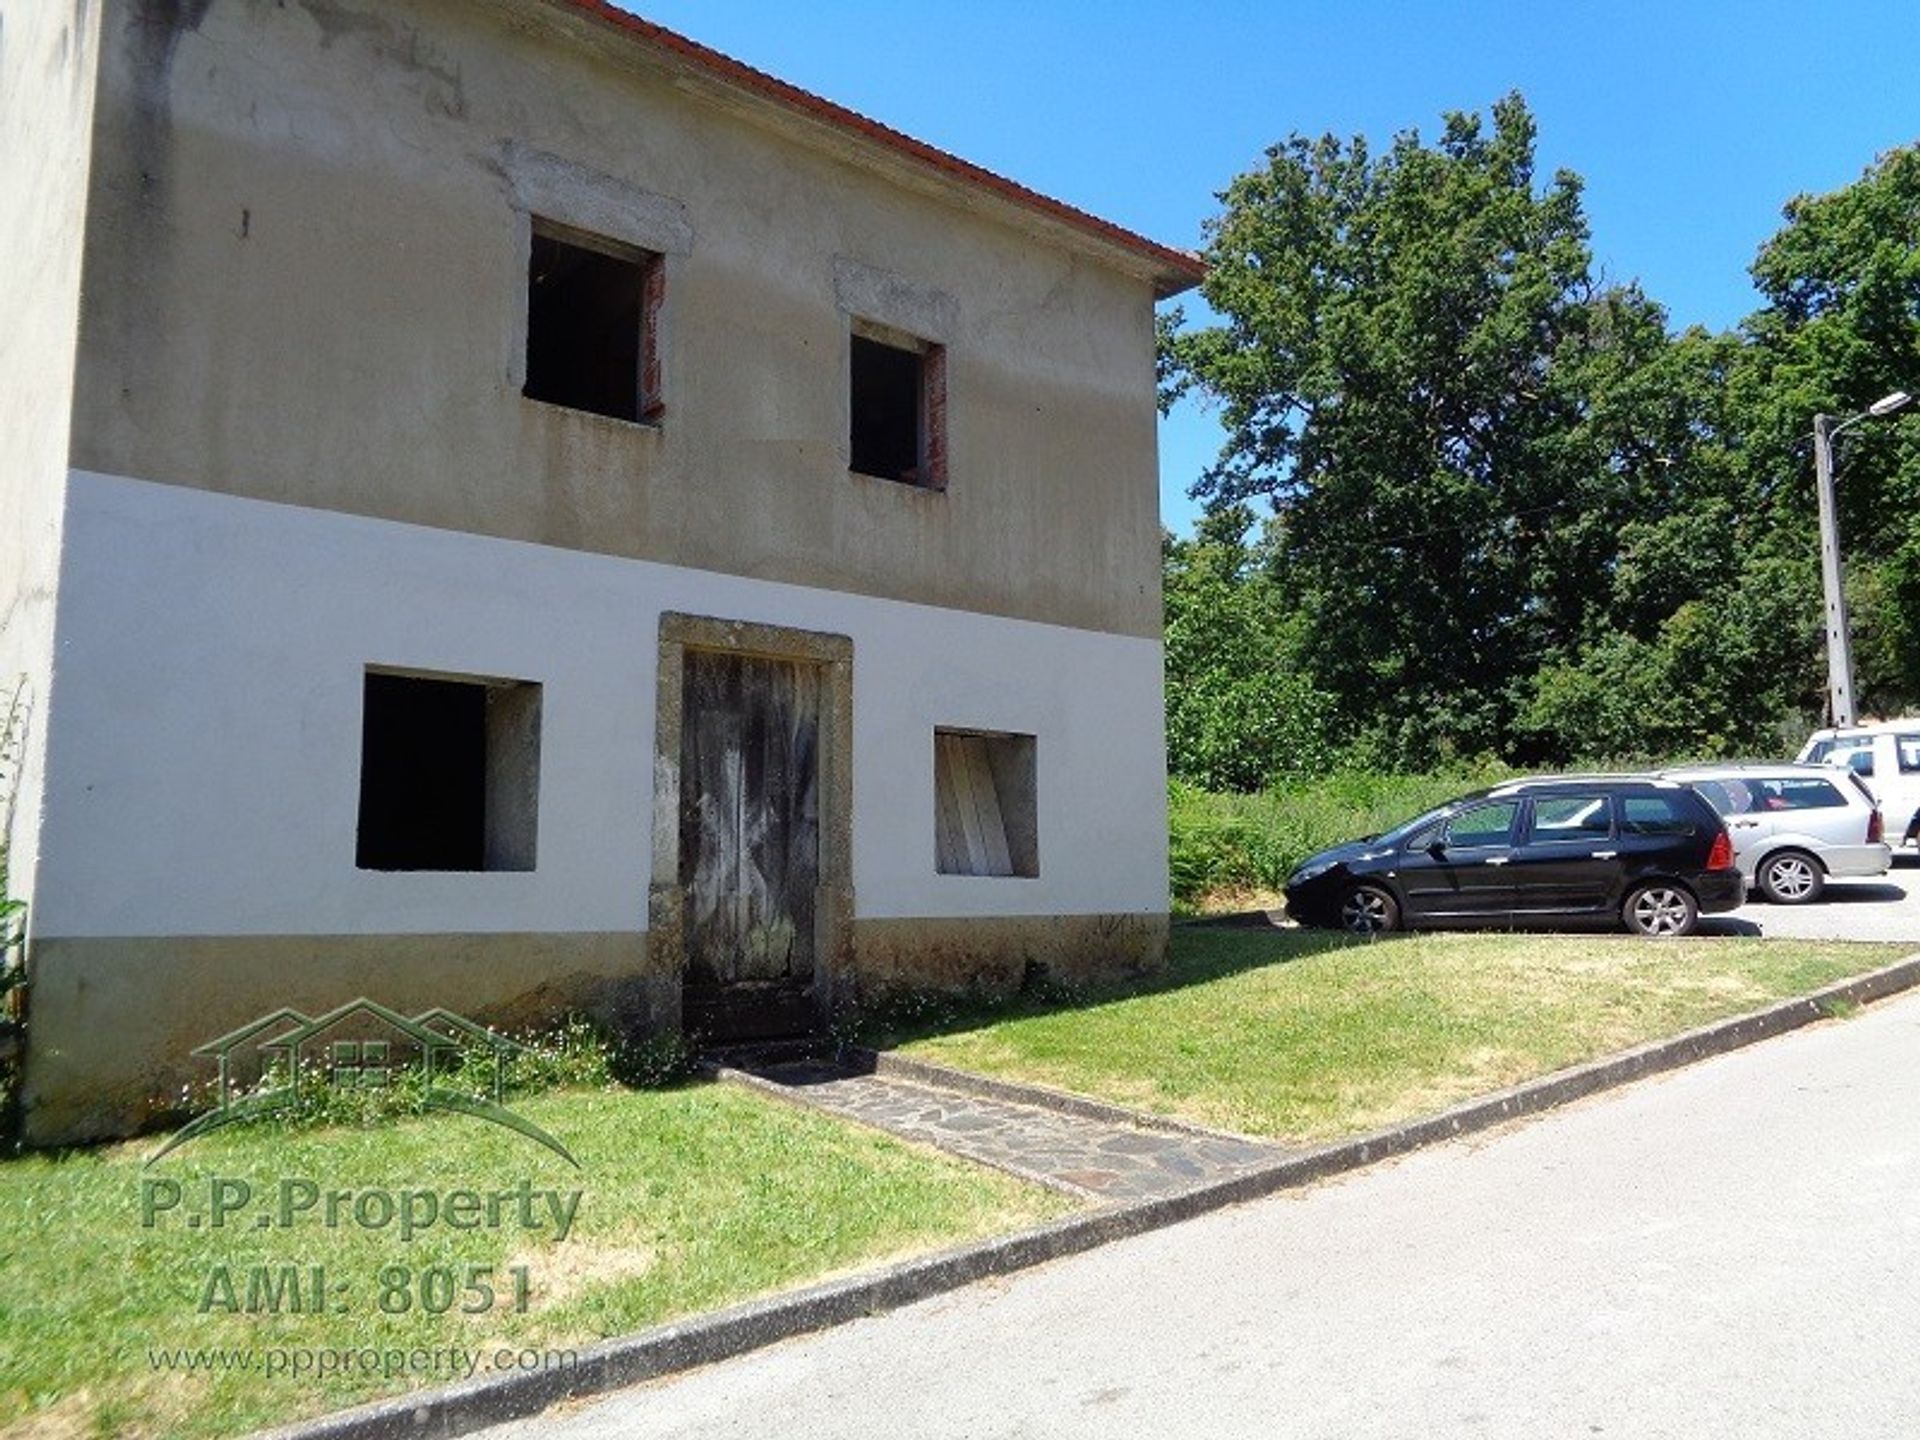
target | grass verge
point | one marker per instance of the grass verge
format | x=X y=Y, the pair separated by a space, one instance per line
x=1305 y=1036
x=693 y=1197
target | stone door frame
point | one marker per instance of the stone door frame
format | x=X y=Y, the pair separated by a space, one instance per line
x=833 y=907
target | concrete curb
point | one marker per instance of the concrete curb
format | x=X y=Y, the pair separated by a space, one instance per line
x=702 y=1340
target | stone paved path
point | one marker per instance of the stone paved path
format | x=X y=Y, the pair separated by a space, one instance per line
x=1106 y=1161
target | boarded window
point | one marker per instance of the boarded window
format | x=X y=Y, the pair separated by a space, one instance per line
x=898 y=408
x=984 y=812
x=449 y=773
x=593 y=310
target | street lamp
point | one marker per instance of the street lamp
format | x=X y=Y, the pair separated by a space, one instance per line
x=1833 y=580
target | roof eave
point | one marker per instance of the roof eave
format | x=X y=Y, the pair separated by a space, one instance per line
x=1169 y=271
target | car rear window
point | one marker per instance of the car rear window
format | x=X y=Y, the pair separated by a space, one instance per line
x=1796 y=795
x=1728 y=797
x=1908 y=749
x=1570 y=819
x=1656 y=815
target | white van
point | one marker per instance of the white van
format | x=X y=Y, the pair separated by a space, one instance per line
x=1886 y=755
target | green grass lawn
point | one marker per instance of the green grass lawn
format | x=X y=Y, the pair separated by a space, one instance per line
x=1305 y=1036
x=693 y=1197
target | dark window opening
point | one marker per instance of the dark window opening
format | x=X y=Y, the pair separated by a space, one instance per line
x=449 y=774
x=897 y=412
x=592 y=307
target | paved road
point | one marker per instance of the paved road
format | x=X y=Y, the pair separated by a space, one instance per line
x=1884 y=909
x=1730 y=1250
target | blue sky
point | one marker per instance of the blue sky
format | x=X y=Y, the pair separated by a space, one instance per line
x=1691 y=121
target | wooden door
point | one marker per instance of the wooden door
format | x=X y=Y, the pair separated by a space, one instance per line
x=749 y=842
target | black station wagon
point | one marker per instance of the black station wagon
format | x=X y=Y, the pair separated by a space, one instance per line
x=1580 y=850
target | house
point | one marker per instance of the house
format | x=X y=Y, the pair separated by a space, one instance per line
x=512 y=510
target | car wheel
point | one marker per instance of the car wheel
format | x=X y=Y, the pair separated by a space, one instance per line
x=1368 y=910
x=1790 y=877
x=1661 y=908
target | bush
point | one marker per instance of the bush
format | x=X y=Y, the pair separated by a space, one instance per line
x=1220 y=842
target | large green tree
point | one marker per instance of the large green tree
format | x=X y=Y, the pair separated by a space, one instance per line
x=1839 y=329
x=1241 y=712
x=1451 y=419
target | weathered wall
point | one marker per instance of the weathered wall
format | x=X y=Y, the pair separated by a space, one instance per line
x=204 y=779
x=307 y=275
x=48 y=50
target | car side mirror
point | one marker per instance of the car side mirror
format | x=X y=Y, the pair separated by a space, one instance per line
x=1438 y=849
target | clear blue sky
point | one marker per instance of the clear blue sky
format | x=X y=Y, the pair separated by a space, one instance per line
x=1692 y=121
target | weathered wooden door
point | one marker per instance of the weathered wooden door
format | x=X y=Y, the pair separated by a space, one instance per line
x=749 y=843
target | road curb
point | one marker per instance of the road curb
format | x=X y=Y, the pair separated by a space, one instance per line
x=471 y=1405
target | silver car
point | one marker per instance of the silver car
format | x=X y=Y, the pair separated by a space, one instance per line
x=1793 y=826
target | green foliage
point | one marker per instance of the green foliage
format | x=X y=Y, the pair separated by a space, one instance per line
x=1241 y=843
x=13 y=911
x=1240 y=709
x=1841 y=328
x=1512 y=512
x=574 y=1054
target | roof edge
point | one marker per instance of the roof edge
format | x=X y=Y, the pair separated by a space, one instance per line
x=1173 y=271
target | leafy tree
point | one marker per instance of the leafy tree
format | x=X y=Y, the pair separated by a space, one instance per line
x=1240 y=711
x=1417 y=369
x=1512 y=512
x=1840 y=328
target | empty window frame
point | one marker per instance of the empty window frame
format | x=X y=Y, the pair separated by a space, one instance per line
x=593 y=322
x=449 y=773
x=985 y=819
x=898 y=389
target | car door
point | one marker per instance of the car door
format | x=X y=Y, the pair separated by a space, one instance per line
x=1738 y=804
x=1465 y=877
x=1899 y=794
x=1568 y=861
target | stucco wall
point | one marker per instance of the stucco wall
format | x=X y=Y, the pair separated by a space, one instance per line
x=203 y=782
x=204 y=774
x=307 y=277
x=48 y=50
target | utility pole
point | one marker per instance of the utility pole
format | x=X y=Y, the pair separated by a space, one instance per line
x=1832 y=577
x=1833 y=580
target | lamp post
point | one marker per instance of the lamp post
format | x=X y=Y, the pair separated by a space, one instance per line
x=1832 y=576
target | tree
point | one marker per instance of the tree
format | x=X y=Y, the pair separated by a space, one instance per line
x=1840 y=328
x=1240 y=711
x=1416 y=368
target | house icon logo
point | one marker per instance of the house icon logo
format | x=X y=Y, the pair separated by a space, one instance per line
x=268 y=1065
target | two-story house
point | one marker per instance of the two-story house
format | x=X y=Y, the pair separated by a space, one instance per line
x=512 y=510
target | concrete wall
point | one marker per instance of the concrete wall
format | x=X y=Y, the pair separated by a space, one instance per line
x=307 y=277
x=204 y=772
x=48 y=51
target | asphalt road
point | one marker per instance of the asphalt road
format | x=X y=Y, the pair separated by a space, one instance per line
x=1733 y=1249
x=1884 y=909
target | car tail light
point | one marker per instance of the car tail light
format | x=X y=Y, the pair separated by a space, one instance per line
x=1876 y=829
x=1720 y=857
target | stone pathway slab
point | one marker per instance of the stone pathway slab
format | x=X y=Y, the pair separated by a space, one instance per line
x=1101 y=1160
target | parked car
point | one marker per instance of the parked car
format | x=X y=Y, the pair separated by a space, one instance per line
x=1574 y=850
x=1885 y=754
x=1794 y=825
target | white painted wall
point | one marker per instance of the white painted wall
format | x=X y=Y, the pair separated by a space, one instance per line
x=203 y=774
x=48 y=54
